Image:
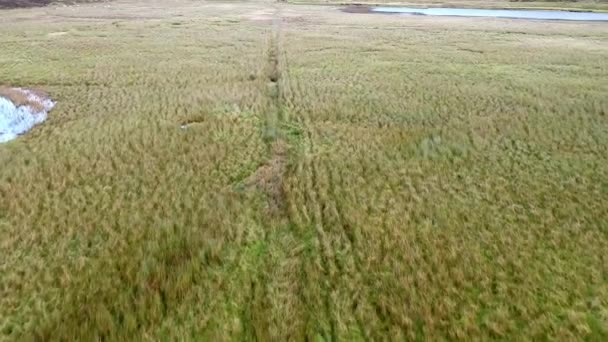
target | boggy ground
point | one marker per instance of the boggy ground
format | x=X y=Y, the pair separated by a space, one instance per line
x=339 y=176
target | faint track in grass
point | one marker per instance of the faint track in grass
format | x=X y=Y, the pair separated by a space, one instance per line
x=269 y=179
x=326 y=213
x=269 y=176
x=319 y=266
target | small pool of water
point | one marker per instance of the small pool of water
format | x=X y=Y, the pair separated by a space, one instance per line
x=497 y=13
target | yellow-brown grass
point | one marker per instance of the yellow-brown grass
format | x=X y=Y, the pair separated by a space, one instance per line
x=434 y=178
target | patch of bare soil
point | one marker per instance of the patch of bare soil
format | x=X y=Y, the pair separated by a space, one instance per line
x=260 y=15
x=269 y=177
x=357 y=9
x=8 y=4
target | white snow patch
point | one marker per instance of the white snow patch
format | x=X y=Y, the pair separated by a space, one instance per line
x=16 y=120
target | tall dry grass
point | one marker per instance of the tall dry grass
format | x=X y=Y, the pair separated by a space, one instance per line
x=339 y=176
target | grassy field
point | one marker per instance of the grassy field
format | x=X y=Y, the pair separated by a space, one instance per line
x=256 y=170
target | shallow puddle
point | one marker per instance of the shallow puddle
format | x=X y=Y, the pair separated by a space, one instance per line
x=496 y=13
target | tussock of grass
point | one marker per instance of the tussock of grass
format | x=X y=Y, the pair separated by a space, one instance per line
x=17 y=97
x=434 y=179
x=20 y=97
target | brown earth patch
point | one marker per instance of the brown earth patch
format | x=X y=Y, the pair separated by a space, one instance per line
x=357 y=9
x=8 y=4
x=269 y=177
x=259 y=15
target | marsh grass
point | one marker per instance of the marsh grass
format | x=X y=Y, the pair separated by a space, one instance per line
x=433 y=179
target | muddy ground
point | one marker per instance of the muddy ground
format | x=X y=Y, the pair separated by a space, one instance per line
x=354 y=9
x=7 y=4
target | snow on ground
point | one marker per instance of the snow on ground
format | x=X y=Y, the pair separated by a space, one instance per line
x=17 y=120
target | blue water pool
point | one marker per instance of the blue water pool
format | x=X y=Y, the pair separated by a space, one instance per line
x=497 y=13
